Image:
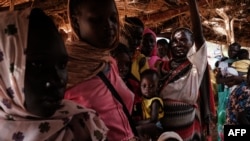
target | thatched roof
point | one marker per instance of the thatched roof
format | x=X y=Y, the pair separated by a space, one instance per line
x=164 y=15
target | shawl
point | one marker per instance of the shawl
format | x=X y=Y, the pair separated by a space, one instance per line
x=85 y=60
x=16 y=122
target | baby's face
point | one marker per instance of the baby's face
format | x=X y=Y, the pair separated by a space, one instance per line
x=149 y=85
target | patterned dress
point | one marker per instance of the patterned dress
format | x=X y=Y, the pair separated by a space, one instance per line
x=239 y=100
x=180 y=97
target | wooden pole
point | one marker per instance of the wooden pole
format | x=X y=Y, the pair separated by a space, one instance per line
x=12 y=3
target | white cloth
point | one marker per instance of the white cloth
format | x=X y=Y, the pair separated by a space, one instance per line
x=186 y=89
x=15 y=121
x=167 y=135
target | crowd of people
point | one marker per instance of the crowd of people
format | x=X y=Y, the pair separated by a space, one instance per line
x=113 y=82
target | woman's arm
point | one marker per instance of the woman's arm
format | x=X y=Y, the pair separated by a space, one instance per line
x=196 y=24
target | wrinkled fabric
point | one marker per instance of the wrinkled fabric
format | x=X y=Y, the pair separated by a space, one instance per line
x=94 y=94
x=186 y=89
x=181 y=97
x=136 y=70
x=16 y=122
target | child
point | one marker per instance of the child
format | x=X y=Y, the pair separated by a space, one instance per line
x=131 y=34
x=163 y=49
x=33 y=79
x=152 y=105
x=95 y=26
x=123 y=59
x=131 y=37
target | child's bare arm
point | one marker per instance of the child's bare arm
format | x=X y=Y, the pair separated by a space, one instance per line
x=196 y=24
x=154 y=113
x=155 y=110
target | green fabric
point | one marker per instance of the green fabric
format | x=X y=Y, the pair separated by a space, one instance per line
x=223 y=94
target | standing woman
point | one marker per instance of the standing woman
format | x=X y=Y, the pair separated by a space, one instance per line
x=180 y=87
x=93 y=73
x=33 y=79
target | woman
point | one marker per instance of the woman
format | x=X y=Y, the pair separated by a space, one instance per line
x=180 y=86
x=149 y=48
x=95 y=26
x=33 y=78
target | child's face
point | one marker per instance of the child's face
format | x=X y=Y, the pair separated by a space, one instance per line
x=124 y=63
x=181 y=43
x=98 y=23
x=135 y=40
x=45 y=74
x=148 y=43
x=162 y=50
x=149 y=85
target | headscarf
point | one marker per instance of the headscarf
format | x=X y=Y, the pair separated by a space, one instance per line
x=16 y=122
x=153 y=57
x=167 y=135
x=154 y=50
x=85 y=60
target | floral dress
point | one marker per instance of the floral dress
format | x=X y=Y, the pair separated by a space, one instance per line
x=239 y=101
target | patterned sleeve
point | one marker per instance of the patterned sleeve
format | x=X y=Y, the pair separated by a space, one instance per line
x=89 y=125
x=243 y=101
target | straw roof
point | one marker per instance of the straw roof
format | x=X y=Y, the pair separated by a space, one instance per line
x=224 y=21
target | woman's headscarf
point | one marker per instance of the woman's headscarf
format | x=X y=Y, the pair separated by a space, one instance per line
x=16 y=122
x=154 y=50
x=85 y=60
x=153 y=58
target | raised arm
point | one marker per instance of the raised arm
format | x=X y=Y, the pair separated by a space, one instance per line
x=196 y=24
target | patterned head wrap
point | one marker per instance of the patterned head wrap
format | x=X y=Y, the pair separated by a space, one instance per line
x=16 y=122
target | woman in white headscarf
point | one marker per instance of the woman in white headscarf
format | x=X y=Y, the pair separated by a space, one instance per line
x=33 y=78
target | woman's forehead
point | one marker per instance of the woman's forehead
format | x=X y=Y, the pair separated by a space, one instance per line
x=181 y=34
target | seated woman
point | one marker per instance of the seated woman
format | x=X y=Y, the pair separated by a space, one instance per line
x=33 y=78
